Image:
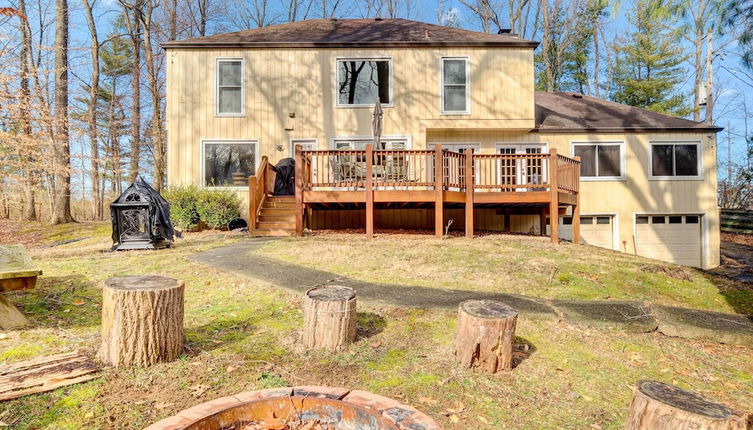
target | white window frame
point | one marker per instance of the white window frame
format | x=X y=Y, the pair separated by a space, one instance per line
x=296 y=140
x=205 y=142
x=217 y=87
x=370 y=139
x=698 y=177
x=623 y=159
x=338 y=105
x=467 y=110
x=521 y=166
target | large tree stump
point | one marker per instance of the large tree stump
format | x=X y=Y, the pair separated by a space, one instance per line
x=658 y=406
x=329 y=317
x=142 y=320
x=486 y=331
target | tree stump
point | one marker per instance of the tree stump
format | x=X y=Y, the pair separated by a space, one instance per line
x=486 y=331
x=142 y=320
x=660 y=406
x=329 y=317
x=10 y=316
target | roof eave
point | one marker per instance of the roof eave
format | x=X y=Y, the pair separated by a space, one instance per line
x=702 y=129
x=233 y=45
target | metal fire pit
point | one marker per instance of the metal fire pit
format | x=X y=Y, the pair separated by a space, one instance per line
x=140 y=219
x=341 y=408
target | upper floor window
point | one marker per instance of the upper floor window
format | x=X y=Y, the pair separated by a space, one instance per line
x=675 y=160
x=455 y=85
x=230 y=86
x=600 y=160
x=361 y=81
x=229 y=163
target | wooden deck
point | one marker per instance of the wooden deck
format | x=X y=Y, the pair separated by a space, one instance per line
x=546 y=183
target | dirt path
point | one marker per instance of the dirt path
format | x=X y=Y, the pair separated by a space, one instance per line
x=737 y=261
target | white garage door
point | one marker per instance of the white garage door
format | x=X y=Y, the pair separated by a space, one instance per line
x=673 y=238
x=596 y=230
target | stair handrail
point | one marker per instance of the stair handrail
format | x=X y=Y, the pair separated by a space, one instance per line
x=258 y=188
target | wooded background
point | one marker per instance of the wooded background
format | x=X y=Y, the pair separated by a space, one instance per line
x=82 y=82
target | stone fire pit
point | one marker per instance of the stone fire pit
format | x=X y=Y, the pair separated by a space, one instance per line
x=341 y=408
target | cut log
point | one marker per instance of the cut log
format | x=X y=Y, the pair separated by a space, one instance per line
x=142 y=320
x=486 y=331
x=329 y=317
x=10 y=316
x=45 y=374
x=660 y=406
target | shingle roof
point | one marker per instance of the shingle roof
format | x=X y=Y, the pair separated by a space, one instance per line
x=352 y=33
x=564 y=112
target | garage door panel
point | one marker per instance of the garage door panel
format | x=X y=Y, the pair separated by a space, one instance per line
x=673 y=242
x=591 y=234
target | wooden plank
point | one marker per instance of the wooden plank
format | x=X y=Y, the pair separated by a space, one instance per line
x=469 y=182
x=438 y=191
x=45 y=374
x=554 y=203
x=298 y=191
x=369 y=191
x=513 y=197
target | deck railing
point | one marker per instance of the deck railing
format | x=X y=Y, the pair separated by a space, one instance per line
x=415 y=169
x=259 y=187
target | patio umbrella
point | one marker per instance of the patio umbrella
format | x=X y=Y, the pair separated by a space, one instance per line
x=377 y=124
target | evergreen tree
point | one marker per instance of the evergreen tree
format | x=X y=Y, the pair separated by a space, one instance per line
x=648 y=65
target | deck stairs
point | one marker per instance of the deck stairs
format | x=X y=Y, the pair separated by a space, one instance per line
x=276 y=217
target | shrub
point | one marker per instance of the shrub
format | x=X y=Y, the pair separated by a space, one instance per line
x=183 y=200
x=217 y=208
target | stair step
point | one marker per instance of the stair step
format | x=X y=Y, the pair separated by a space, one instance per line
x=290 y=199
x=265 y=217
x=283 y=205
x=277 y=211
x=275 y=224
x=275 y=232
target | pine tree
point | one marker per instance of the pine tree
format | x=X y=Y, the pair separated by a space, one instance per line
x=648 y=65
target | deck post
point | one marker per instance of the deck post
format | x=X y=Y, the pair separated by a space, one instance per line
x=252 y=209
x=507 y=220
x=576 y=206
x=369 y=191
x=438 y=191
x=554 y=205
x=469 y=189
x=298 y=191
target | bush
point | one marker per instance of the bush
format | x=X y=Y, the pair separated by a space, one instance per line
x=216 y=208
x=183 y=199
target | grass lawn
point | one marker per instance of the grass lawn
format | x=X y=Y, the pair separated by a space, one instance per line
x=244 y=334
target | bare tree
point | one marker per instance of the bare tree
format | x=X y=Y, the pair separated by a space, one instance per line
x=132 y=20
x=485 y=11
x=91 y=117
x=61 y=212
x=29 y=211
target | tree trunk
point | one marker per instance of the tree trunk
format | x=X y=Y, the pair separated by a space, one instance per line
x=62 y=205
x=157 y=134
x=710 y=78
x=486 y=332
x=329 y=317
x=91 y=118
x=142 y=320
x=29 y=210
x=698 y=70
x=133 y=24
x=660 y=406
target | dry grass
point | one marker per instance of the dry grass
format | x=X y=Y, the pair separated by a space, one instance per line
x=243 y=334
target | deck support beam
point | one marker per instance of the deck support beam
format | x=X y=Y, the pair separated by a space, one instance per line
x=507 y=220
x=469 y=185
x=542 y=222
x=299 y=191
x=438 y=192
x=554 y=220
x=369 y=191
x=576 y=206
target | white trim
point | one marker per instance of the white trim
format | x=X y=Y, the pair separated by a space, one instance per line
x=467 y=110
x=292 y=142
x=544 y=150
x=623 y=159
x=698 y=177
x=219 y=60
x=204 y=142
x=405 y=137
x=703 y=225
x=387 y=58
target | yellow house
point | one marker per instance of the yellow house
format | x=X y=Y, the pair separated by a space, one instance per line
x=453 y=101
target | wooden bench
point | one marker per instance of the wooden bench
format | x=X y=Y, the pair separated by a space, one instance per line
x=17 y=272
